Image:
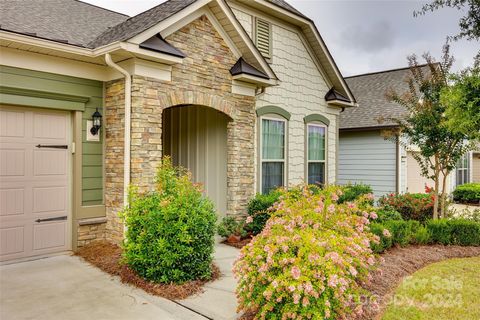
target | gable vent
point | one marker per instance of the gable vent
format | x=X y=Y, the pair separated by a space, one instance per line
x=262 y=37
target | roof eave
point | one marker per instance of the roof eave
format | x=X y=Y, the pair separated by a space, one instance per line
x=260 y=81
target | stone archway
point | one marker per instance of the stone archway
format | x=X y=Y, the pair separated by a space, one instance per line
x=195 y=137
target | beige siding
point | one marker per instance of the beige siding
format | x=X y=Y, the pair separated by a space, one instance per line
x=196 y=138
x=301 y=92
x=476 y=168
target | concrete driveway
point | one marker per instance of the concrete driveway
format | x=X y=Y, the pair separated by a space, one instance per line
x=65 y=287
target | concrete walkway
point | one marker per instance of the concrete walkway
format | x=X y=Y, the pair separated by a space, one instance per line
x=218 y=301
x=66 y=287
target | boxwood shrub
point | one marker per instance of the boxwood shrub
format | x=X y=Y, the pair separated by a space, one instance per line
x=258 y=210
x=352 y=192
x=170 y=231
x=467 y=193
x=455 y=231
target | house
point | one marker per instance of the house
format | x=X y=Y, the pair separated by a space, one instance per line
x=244 y=94
x=366 y=156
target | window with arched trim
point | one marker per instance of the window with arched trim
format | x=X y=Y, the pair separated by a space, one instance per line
x=273 y=127
x=316 y=148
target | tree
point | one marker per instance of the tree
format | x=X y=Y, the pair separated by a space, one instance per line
x=462 y=102
x=426 y=125
x=469 y=24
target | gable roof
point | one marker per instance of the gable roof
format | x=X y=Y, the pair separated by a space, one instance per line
x=241 y=66
x=370 y=91
x=69 y=21
x=141 y=22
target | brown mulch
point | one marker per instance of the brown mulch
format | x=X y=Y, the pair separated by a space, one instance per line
x=238 y=245
x=401 y=262
x=107 y=257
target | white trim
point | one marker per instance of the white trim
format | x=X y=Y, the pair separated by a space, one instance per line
x=59 y=65
x=325 y=155
x=147 y=68
x=211 y=17
x=162 y=25
x=255 y=80
x=148 y=54
x=285 y=148
x=341 y=104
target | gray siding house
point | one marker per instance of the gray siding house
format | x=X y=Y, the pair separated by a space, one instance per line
x=388 y=166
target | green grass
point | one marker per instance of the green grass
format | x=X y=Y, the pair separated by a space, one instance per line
x=447 y=290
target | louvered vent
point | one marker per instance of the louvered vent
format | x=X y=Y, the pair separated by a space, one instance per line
x=262 y=37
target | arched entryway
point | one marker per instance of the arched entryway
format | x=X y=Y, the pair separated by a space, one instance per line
x=195 y=137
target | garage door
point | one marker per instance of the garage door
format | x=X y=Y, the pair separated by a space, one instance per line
x=34 y=180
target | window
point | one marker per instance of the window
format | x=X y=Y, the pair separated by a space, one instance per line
x=463 y=172
x=262 y=37
x=316 y=153
x=272 y=153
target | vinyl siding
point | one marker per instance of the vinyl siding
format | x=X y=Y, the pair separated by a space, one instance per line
x=301 y=92
x=366 y=157
x=92 y=157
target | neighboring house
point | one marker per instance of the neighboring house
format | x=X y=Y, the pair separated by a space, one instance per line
x=365 y=156
x=243 y=93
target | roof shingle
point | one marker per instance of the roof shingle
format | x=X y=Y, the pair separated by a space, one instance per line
x=374 y=110
x=70 y=21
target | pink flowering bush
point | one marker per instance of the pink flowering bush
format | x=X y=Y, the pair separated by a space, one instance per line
x=309 y=260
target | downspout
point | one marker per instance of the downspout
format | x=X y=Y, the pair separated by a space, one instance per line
x=128 y=106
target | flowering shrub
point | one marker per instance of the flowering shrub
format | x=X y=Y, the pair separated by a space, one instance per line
x=351 y=192
x=412 y=206
x=258 y=210
x=309 y=259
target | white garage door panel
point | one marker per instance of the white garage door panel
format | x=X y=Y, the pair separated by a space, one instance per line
x=34 y=182
x=11 y=202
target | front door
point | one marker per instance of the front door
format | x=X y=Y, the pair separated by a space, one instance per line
x=34 y=182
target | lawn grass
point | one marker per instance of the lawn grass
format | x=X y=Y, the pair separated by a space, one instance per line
x=446 y=290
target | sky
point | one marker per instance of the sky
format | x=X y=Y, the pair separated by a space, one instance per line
x=365 y=36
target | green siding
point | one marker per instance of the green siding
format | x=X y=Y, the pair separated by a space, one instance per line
x=41 y=89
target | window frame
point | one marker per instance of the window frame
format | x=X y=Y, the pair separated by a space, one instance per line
x=308 y=161
x=464 y=169
x=272 y=117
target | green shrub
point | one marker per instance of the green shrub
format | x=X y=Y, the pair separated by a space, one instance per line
x=402 y=231
x=229 y=226
x=258 y=210
x=309 y=259
x=388 y=213
x=467 y=193
x=385 y=237
x=354 y=191
x=170 y=231
x=440 y=231
x=412 y=206
x=421 y=235
x=455 y=231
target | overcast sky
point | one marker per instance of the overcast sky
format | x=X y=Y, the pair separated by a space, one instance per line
x=365 y=36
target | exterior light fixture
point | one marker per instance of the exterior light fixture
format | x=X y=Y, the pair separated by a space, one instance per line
x=97 y=122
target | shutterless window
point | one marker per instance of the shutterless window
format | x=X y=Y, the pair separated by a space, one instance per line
x=316 y=153
x=273 y=154
x=463 y=172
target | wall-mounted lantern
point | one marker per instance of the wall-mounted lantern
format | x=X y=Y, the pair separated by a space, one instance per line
x=96 y=122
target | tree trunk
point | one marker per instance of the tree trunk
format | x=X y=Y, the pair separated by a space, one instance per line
x=436 y=191
x=442 y=204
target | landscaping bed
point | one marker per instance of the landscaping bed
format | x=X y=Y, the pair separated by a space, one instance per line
x=108 y=257
x=401 y=262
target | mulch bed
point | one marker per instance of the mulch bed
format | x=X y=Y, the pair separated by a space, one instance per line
x=238 y=245
x=107 y=257
x=401 y=262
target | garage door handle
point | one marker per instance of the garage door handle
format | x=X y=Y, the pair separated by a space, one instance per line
x=55 y=146
x=52 y=219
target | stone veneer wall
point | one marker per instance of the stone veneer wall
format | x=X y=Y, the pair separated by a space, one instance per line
x=202 y=79
x=89 y=233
